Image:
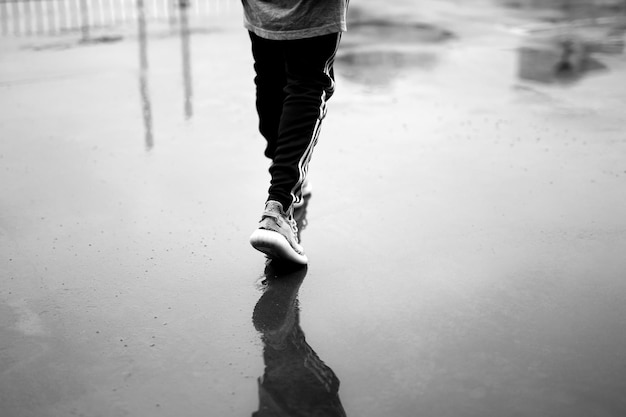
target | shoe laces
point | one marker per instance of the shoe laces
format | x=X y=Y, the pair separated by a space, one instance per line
x=294 y=225
x=280 y=216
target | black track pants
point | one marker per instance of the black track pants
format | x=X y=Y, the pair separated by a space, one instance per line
x=294 y=80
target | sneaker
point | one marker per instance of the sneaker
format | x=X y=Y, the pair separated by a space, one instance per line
x=277 y=235
x=299 y=215
x=306 y=190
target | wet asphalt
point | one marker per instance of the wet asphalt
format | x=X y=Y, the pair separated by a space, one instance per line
x=466 y=232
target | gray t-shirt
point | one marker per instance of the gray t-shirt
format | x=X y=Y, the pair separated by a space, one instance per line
x=294 y=19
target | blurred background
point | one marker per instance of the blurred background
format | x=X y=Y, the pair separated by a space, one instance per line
x=50 y=17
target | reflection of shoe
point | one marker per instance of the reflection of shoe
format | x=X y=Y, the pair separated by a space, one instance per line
x=277 y=235
x=275 y=313
x=306 y=190
x=296 y=382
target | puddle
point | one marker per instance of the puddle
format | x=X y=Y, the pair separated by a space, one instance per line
x=567 y=40
x=556 y=10
x=562 y=61
x=376 y=51
x=381 y=67
x=383 y=31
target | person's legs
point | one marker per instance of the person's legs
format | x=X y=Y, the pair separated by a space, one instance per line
x=310 y=83
x=270 y=81
x=294 y=80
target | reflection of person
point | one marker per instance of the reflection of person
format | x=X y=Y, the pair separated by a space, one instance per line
x=293 y=45
x=296 y=382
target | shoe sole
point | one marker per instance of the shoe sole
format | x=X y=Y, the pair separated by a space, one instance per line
x=275 y=246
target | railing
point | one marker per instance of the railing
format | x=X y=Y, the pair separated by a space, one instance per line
x=50 y=17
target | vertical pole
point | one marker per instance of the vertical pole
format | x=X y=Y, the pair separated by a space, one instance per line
x=17 y=16
x=63 y=20
x=144 y=88
x=56 y=16
x=186 y=52
x=4 y=18
x=28 y=24
x=112 y=13
x=84 y=20
x=46 y=27
x=173 y=11
x=122 y=10
x=99 y=11
x=75 y=14
x=36 y=19
x=134 y=11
